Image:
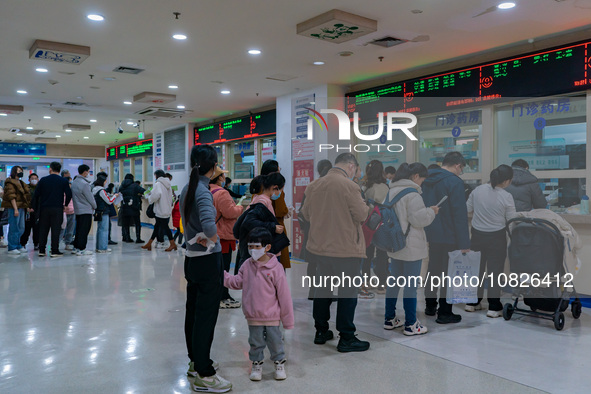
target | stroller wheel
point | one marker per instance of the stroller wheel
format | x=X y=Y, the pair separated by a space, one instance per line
x=507 y=311
x=559 y=321
x=576 y=308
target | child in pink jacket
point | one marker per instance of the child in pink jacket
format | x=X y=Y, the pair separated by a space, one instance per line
x=266 y=301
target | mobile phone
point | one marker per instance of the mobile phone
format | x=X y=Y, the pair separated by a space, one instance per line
x=441 y=201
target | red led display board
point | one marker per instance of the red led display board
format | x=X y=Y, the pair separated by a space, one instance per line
x=253 y=126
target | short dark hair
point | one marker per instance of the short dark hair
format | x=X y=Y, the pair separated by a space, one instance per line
x=346 y=158
x=55 y=166
x=138 y=182
x=405 y=171
x=390 y=170
x=228 y=180
x=159 y=174
x=453 y=158
x=33 y=174
x=129 y=176
x=323 y=167
x=260 y=234
x=102 y=173
x=269 y=166
x=82 y=168
x=433 y=166
x=520 y=163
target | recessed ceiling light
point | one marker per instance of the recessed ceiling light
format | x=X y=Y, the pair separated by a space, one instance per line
x=318 y=63
x=47 y=117
x=130 y=123
x=19 y=134
x=506 y=5
x=109 y=78
x=95 y=17
x=254 y=52
x=41 y=70
x=68 y=130
x=127 y=102
x=180 y=106
x=93 y=120
x=173 y=86
x=102 y=132
x=86 y=138
x=29 y=127
x=21 y=91
x=3 y=114
x=225 y=92
x=58 y=136
x=179 y=37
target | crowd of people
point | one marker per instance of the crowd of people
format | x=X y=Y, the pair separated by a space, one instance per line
x=331 y=216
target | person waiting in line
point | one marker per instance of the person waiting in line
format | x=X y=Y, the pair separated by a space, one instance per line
x=65 y=173
x=226 y=214
x=103 y=202
x=525 y=189
x=176 y=222
x=267 y=302
x=112 y=212
x=203 y=271
x=227 y=187
x=335 y=210
x=3 y=219
x=130 y=208
x=448 y=232
x=67 y=234
x=433 y=166
x=279 y=207
x=260 y=213
x=49 y=197
x=376 y=189
x=84 y=206
x=31 y=222
x=390 y=172
x=17 y=201
x=161 y=197
x=493 y=206
x=413 y=217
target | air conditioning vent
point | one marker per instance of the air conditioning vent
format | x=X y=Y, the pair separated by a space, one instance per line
x=281 y=77
x=159 y=112
x=23 y=130
x=128 y=70
x=153 y=97
x=388 y=42
x=74 y=103
x=11 y=109
x=76 y=127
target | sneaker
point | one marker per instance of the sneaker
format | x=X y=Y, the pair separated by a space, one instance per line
x=56 y=254
x=191 y=371
x=103 y=251
x=447 y=319
x=415 y=329
x=14 y=252
x=256 y=372
x=322 y=337
x=42 y=253
x=23 y=250
x=211 y=384
x=431 y=310
x=224 y=305
x=75 y=251
x=352 y=345
x=366 y=295
x=161 y=245
x=84 y=253
x=112 y=243
x=494 y=314
x=472 y=308
x=392 y=324
x=280 y=370
x=233 y=303
x=69 y=247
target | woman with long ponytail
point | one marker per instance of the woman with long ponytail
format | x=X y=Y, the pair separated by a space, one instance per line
x=493 y=206
x=203 y=270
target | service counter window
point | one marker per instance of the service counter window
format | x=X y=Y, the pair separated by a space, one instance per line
x=269 y=150
x=149 y=169
x=138 y=169
x=459 y=131
x=563 y=194
x=126 y=167
x=115 y=171
x=244 y=158
x=390 y=153
x=548 y=133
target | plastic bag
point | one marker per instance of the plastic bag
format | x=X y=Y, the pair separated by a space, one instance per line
x=64 y=221
x=463 y=266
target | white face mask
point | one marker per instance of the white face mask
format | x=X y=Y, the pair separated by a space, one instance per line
x=257 y=253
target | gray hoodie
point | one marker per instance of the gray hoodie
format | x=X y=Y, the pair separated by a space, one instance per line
x=84 y=203
x=526 y=191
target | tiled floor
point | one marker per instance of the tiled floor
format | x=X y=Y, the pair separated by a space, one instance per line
x=113 y=323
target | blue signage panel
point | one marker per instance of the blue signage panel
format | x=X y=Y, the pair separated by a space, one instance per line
x=9 y=148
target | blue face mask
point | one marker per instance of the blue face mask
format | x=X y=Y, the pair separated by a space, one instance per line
x=387 y=181
x=224 y=184
x=275 y=196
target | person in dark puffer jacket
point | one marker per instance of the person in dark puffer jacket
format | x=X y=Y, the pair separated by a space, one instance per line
x=525 y=188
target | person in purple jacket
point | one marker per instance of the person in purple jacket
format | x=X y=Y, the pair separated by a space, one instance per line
x=266 y=302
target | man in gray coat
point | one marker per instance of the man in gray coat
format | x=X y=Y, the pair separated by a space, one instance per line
x=84 y=206
x=525 y=188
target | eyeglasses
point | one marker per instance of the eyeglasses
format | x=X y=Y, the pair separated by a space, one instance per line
x=461 y=170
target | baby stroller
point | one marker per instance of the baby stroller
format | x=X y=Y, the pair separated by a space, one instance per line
x=538 y=249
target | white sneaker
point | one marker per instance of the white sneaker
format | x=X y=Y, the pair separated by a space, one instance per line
x=23 y=250
x=103 y=251
x=494 y=314
x=472 y=308
x=84 y=253
x=393 y=323
x=280 y=370
x=161 y=245
x=256 y=372
x=191 y=371
x=15 y=252
x=69 y=247
x=415 y=329
x=211 y=384
x=75 y=251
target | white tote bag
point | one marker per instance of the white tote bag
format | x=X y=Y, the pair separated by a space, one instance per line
x=460 y=269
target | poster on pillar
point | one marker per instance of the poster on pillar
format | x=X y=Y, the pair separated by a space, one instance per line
x=303 y=174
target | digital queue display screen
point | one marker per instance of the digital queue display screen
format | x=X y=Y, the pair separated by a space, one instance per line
x=545 y=73
x=253 y=126
x=132 y=149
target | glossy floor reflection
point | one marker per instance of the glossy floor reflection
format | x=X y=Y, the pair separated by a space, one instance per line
x=113 y=323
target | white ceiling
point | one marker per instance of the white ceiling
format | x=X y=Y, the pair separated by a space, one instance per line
x=220 y=32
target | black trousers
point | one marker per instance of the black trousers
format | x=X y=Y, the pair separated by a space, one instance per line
x=227 y=261
x=31 y=225
x=380 y=263
x=50 y=218
x=204 y=276
x=347 y=302
x=161 y=229
x=83 y=225
x=493 y=252
x=438 y=263
x=178 y=235
x=125 y=228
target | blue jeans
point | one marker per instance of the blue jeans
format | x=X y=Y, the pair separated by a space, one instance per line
x=68 y=233
x=16 y=228
x=102 y=233
x=406 y=269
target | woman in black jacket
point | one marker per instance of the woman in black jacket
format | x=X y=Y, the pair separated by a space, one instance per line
x=131 y=208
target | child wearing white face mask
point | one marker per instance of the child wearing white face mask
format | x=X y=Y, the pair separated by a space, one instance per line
x=266 y=301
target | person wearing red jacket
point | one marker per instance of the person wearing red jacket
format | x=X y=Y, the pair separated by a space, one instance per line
x=226 y=214
x=176 y=222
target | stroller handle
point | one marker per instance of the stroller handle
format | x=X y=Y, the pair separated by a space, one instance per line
x=532 y=221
